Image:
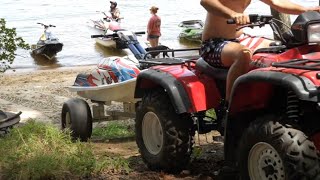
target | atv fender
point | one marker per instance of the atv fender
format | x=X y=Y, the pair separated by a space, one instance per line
x=235 y=125
x=187 y=92
x=152 y=78
x=301 y=86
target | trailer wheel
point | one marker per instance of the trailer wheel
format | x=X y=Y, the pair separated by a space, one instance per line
x=272 y=151
x=76 y=115
x=164 y=138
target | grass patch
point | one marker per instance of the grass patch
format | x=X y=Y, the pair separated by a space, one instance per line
x=113 y=130
x=211 y=113
x=113 y=164
x=40 y=151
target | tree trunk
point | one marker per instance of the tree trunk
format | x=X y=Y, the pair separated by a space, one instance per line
x=282 y=17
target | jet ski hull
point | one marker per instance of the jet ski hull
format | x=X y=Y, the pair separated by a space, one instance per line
x=121 y=91
x=106 y=42
x=49 y=50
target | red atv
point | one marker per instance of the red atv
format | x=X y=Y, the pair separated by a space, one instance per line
x=272 y=126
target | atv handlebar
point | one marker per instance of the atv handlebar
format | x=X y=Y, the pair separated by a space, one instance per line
x=260 y=21
x=231 y=21
x=255 y=19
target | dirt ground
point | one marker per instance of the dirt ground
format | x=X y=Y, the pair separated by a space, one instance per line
x=39 y=94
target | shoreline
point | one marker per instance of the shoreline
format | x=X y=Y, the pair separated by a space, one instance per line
x=39 y=94
x=46 y=68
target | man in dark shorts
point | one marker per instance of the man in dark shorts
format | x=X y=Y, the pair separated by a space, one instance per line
x=225 y=47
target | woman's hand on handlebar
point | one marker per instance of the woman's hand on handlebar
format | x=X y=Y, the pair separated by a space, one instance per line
x=241 y=19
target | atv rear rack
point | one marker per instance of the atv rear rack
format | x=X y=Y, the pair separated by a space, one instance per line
x=305 y=64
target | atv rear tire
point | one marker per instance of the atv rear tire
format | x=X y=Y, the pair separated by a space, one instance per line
x=76 y=115
x=164 y=138
x=272 y=151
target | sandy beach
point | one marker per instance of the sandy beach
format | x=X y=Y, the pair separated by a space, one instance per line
x=39 y=94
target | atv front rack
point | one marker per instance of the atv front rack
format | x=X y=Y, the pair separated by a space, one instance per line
x=168 y=61
x=305 y=64
x=172 y=51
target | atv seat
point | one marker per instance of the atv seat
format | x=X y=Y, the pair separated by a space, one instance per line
x=217 y=73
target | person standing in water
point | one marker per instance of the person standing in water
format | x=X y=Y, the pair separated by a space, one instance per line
x=114 y=11
x=153 y=28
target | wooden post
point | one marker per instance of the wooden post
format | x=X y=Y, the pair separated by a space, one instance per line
x=282 y=17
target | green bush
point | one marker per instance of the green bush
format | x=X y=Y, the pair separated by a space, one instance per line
x=9 y=43
x=40 y=151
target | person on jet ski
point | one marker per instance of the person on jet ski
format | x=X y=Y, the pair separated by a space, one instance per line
x=114 y=11
x=225 y=47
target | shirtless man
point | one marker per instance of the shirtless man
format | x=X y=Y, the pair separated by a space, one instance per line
x=221 y=47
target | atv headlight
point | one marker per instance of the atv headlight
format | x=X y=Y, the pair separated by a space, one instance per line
x=314 y=33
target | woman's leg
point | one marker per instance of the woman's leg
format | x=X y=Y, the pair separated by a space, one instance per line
x=157 y=41
x=152 y=42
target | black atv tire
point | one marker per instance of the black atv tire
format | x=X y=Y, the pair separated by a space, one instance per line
x=76 y=115
x=176 y=132
x=290 y=153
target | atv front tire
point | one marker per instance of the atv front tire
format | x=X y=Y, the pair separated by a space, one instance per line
x=164 y=138
x=272 y=151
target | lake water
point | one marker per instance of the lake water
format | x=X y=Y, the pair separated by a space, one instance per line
x=70 y=18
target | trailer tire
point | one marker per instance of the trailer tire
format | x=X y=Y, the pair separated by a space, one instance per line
x=163 y=137
x=270 y=150
x=76 y=115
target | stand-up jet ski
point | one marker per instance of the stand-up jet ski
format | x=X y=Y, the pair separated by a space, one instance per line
x=48 y=45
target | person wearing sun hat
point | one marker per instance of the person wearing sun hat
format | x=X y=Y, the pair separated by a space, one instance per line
x=153 y=28
x=114 y=11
